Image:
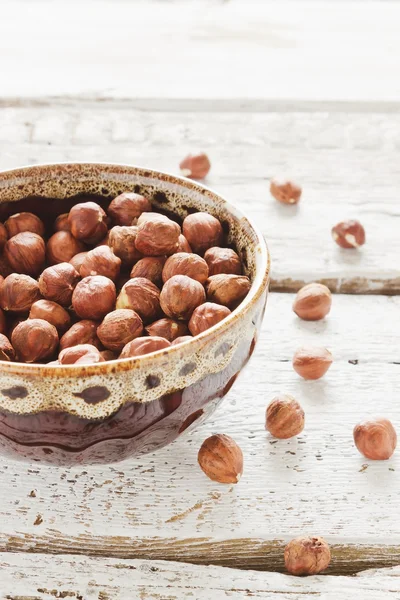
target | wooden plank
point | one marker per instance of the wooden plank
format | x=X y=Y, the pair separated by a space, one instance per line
x=161 y=506
x=42 y=577
x=246 y=150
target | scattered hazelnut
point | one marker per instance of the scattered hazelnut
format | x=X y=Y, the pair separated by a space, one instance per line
x=118 y=328
x=156 y=237
x=142 y=296
x=94 y=297
x=82 y=332
x=7 y=352
x=150 y=267
x=202 y=231
x=101 y=261
x=88 y=222
x=183 y=244
x=62 y=246
x=144 y=345
x=183 y=263
x=375 y=439
x=349 y=234
x=205 y=316
x=182 y=339
x=77 y=260
x=285 y=191
x=3 y=322
x=108 y=355
x=128 y=206
x=195 y=166
x=223 y=261
x=307 y=556
x=285 y=417
x=228 y=290
x=122 y=242
x=312 y=302
x=312 y=362
x=34 y=340
x=62 y=223
x=3 y=236
x=26 y=253
x=24 y=221
x=180 y=296
x=58 y=282
x=18 y=293
x=167 y=328
x=221 y=459
x=52 y=313
x=83 y=354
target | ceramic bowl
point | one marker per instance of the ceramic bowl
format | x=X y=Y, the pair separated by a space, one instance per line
x=107 y=412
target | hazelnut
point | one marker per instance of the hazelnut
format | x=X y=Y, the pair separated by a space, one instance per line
x=307 y=556
x=88 y=222
x=26 y=253
x=3 y=236
x=156 y=237
x=150 y=216
x=58 y=282
x=312 y=302
x=223 y=261
x=101 y=261
x=18 y=293
x=202 y=231
x=122 y=242
x=62 y=223
x=82 y=332
x=34 y=340
x=142 y=296
x=285 y=417
x=94 y=297
x=83 y=354
x=228 y=290
x=108 y=355
x=144 y=345
x=118 y=328
x=183 y=263
x=128 y=206
x=205 y=316
x=183 y=244
x=180 y=296
x=312 y=362
x=285 y=191
x=62 y=246
x=167 y=328
x=3 y=322
x=375 y=439
x=221 y=459
x=195 y=166
x=7 y=352
x=349 y=234
x=150 y=267
x=52 y=313
x=77 y=260
x=5 y=267
x=24 y=221
x=182 y=339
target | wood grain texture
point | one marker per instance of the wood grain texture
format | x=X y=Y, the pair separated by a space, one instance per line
x=162 y=506
x=43 y=577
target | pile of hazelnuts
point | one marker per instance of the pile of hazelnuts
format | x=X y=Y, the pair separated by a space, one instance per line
x=112 y=284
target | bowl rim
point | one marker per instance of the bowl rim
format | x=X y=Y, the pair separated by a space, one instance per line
x=259 y=284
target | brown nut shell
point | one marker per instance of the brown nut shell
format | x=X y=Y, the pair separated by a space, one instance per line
x=157 y=237
x=82 y=332
x=285 y=191
x=144 y=345
x=94 y=297
x=5 y=267
x=183 y=263
x=18 y=293
x=285 y=417
x=82 y=354
x=52 y=313
x=195 y=166
x=349 y=234
x=122 y=242
x=62 y=246
x=375 y=439
x=182 y=339
x=77 y=260
x=228 y=290
x=3 y=321
x=223 y=260
x=312 y=302
x=109 y=355
x=167 y=328
x=62 y=223
x=101 y=261
x=180 y=296
x=150 y=267
x=24 y=221
x=7 y=352
x=34 y=340
x=26 y=253
x=142 y=296
x=127 y=207
x=221 y=459
x=307 y=556
x=118 y=328
x=3 y=236
x=312 y=362
x=58 y=282
x=88 y=222
x=205 y=316
x=183 y=244
x=202 y=231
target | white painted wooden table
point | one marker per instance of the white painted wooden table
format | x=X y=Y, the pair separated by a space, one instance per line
x=156 y=527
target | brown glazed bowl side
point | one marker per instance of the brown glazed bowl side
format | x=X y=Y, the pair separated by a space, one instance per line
x=107 y=412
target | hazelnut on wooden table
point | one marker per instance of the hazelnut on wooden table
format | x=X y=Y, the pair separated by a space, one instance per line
x=144 y=345
x=118 y=328
x=26 y=253
x=122 y=242
x=180 y=295
x=142 y=296
x=167 y=328
x=312 y=302
x=128 y=206
x=196 y=166
x=94 y=297
x=62 y=223
x=202 y=231
x=3 y=236
x=88 y=222
x=228 y=290
x=182 y=339
x=223 y=260
x=150 y=267
x=307 y=556
x=312 y=362
x=205 y=316
x=183 y=263
x=52 y=313
x=77 y=260
x=62 y=246
x=34 y=340
x=82 y=332
x=83 y=354
x=58 y=282
x=349 y=234
x=285 y=191
x=101 y=261
x=221 y=459
x=18 y=292
x=285 y=417
x=183 y=244
x=375 y=439
x=24 y=221
x=156 y=237
x=7 y=352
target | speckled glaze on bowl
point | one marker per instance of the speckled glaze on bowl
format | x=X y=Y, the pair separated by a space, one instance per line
x=107 y=412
